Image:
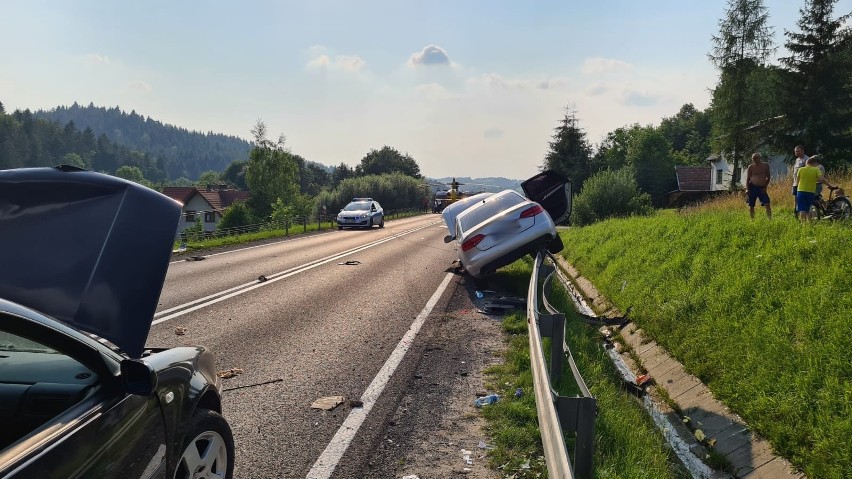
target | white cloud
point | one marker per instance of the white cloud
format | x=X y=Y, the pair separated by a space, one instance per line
x=432 y=91
x=430 y=55
x=138 y=86
x=349 y=63
x=95 y=59
x=495 y=81
x=597 y=88
x=597 y=65
x=321 y=61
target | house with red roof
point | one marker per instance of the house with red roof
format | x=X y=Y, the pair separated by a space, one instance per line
x=204 y=205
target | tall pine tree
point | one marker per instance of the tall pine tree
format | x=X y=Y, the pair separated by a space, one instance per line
x=744 y=43
x=818 y=84
x=570 y=152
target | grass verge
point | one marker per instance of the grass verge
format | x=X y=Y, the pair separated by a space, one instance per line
x=757 y=309
x=627 y=444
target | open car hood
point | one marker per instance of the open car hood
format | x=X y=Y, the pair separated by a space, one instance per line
x=552 y=191
x=88 y=249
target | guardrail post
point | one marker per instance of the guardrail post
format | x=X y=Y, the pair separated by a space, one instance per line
x=553 y=326
x=304 y=224
x=577 y=414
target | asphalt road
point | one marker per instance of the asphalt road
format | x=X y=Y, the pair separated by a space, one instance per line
x=324 y=329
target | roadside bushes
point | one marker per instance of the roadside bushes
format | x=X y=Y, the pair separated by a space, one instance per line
x=393 y=191
x=609 y=194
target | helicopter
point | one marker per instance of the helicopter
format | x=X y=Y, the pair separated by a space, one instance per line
x=448 y=193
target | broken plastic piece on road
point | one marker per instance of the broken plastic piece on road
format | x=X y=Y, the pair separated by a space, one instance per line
x=643 y=380
x=262 y=278
x=229 y=373
x=351 y=262
x=486 y=400
x=328 y=403
x=466 y=456
x=356 y=403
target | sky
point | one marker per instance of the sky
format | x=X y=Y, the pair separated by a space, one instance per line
x=466 y=87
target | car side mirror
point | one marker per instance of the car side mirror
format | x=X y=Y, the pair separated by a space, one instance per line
x=449 y=238
x=138 y=377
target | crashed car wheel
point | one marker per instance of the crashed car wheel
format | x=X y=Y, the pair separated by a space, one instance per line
x=209 y=451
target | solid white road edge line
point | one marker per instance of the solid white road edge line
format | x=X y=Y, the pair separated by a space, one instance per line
x=325 y=464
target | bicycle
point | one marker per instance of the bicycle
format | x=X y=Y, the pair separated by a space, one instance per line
x=837 y=207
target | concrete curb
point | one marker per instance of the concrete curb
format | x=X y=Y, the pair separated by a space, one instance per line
x=750 y=456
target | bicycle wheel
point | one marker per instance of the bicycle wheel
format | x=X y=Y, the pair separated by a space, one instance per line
x=817 y=212
x=841 y=209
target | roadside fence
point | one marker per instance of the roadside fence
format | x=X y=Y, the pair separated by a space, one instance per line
x=290 y=224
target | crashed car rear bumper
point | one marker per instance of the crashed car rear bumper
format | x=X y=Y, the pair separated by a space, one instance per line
x=507 y=258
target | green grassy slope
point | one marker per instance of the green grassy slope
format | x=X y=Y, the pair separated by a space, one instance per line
x=759 y=310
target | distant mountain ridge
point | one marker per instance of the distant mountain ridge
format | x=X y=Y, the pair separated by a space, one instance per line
x=490 y=183
x=184 y=153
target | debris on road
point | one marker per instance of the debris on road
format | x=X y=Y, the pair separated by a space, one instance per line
x=466 y=455
x=356 y=403
x=328 y=403
x=229 y=373
x=262 y=278
x=180 y=330
x=255 y=384
x=519 y=392
x=351 y=262
x=492 y=302
x=195 y=258
x=486 y=400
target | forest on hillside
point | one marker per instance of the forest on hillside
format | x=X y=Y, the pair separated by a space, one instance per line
x=181 y=152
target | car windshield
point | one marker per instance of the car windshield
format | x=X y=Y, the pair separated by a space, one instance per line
x=357 y=206
x=12 y=342
x=488 y=208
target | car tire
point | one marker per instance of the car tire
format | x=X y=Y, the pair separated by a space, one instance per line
x=340 y=227
x=370 y=225
x=555 y=245
x=209 y=446
x=382 y=224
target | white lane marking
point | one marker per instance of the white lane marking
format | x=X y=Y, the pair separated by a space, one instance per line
x=238 y=290
x=324 y=466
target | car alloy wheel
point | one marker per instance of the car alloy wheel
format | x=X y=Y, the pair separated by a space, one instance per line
x=210 y=452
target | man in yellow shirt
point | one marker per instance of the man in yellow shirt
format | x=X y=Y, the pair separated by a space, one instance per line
x=808 y=177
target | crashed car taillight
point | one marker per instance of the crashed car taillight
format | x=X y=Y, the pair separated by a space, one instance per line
x=532 y=211
x=472 y=242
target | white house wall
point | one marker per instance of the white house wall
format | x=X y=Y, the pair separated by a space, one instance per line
x=779 y=170
x=198 y=204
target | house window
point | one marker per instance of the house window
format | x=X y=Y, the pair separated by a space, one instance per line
x=209 y=217
x=719 y=176
x=190 y=216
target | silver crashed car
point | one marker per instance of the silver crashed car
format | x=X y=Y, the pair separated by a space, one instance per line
x=496 y=229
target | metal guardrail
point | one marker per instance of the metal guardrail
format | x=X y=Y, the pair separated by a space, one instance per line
x=557 y=414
